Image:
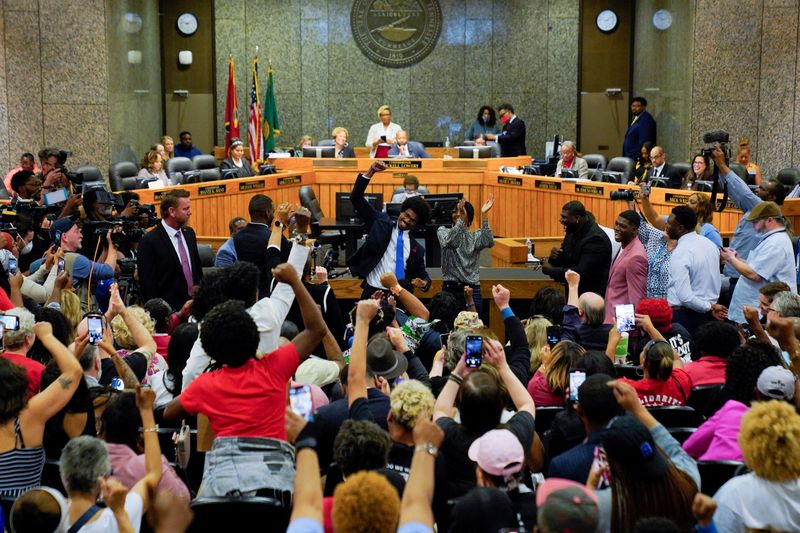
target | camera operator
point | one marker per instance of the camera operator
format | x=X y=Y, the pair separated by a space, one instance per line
x=52 y=175
x=745 y=238
x=78 y=267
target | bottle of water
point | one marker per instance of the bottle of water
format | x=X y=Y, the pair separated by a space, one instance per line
x=529 y=245
x=447 y=142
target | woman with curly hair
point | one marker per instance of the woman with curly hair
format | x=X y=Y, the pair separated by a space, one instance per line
x=549 y=383
x=768 y=498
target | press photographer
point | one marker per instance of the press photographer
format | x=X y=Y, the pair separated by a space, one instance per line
x=54 y=174
x=119 y=213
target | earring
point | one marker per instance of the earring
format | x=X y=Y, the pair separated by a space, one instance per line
x=639 y=371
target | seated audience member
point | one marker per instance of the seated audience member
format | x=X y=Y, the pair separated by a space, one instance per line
x=650 y=475
x=564 y=505
x=143 y=343
x=499 y=460
x=16 y=345
x=583 y=317
x=152 y=166
x=185 y=148
x=226 y=253
x=164 y=320
x=169 y=383
x=236 y=165
x=766 y=294
x=766 y=498
x=341 y=148
x=410 y=188
x=26 y=162
x=743 y=157
x=405 y=148
x=665 y=382
x=570 y=161
x=536 y=333
x=700 y=170
x=119 y=428
x=169 y=147
x=715 y=342
x=480 y=405
x=245 y=397
x=484 y=509
x=596 y=407
x=717 y=438
x=660 y=314
x=85 y=468
x=23 y=418
x=550 y=383
x=548 y=302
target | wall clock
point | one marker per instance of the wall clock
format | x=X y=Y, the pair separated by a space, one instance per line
x=187 y=24
x=606 y=21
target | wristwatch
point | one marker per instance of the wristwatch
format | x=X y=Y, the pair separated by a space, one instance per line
x=307 y=442
x=427 y=448
x=278 y=224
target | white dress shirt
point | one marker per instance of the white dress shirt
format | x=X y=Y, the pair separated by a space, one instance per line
x=172 y=232
x=387 y=262
x=658 y=171
x=376 y=131
x=695 y=280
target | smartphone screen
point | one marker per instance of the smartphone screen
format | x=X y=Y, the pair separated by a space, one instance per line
x=95 y=329
x=61 y=264
x=553 y=335
x=473 y=355
x=57 y=239
x=300 y=401
x=601 y=462
x=56 y=197
x=12 y=265
x=626 y=321
x=443 y=337
x=10 y=322
x=576 y=379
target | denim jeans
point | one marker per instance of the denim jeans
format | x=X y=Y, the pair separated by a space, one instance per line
x=247 y=465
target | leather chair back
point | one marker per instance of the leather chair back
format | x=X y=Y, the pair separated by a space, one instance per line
x=625 y=165
x=595 y=160
x=122 y=176
x=175 y=168
x=309 y=200
x=789 y=177
x=204 y=161
x=683 y=168
x=90 y=174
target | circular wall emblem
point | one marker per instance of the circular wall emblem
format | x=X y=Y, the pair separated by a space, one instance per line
x=396 y=33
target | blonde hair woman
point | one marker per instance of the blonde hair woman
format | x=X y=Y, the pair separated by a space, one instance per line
x=384 y=131
x=340 y=136
x=169 y=147
x=536 y=332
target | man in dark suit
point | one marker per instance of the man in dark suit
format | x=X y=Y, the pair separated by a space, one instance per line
x=405 y=148
x=662 y=169
x=586 y=250
x=386 y=239
x=641 y=130
x=512 y=138
x=168 y=260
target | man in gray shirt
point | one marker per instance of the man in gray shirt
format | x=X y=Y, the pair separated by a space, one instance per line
x=461 y=249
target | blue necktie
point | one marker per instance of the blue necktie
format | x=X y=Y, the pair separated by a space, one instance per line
x=399 y=263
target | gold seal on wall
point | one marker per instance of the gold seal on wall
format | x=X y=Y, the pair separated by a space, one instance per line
x=396 y=33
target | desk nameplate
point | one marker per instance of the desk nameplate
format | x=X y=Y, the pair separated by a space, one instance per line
x=335 y=163
x=289 y=180
x=211 y=189
x=506 y=180
x=682 y=199
x=252 y=185
x=464 y=163
x=394 y=163
x=589 y=189
x=549 y=185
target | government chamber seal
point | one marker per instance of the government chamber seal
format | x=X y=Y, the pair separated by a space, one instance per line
x=396 y=33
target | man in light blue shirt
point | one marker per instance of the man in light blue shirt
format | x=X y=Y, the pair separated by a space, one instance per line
x=771 y=260
x=226 y=254
x=695 y=280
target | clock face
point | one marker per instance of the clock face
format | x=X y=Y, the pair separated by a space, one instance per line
x=606 y=21
x=187 y=24
x=662 y=19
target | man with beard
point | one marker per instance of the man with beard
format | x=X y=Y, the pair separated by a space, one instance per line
x=627 y=279
x=586 y=249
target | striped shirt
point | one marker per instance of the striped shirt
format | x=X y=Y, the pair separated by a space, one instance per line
x=461 y=249
x=21 y=467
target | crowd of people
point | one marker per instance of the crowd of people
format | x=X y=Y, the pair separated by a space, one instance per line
x=396 y=414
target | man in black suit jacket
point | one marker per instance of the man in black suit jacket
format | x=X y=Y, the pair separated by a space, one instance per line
x=642 y=129
x=661 y=169
x=162 y=272
x=586 y=250
x=512 y=138
x=377 y=256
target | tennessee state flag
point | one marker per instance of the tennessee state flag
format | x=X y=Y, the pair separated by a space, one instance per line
x=231 y=108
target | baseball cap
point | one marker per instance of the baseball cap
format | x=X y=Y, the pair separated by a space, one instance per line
x=498 y=452
x=764 y=210
x=63 y=225
x=629 y=443
x=316 y=371
x=383 y=360
x=776 y=382
x=564 y=505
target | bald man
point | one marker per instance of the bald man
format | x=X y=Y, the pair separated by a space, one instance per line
x=405 y=148
x=583 y=316
x=662 y=169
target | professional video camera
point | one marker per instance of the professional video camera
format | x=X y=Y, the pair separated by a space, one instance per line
x=711 y=139
x=124 y=229
x=626 y=195
x=27 y=208
x=74 y=177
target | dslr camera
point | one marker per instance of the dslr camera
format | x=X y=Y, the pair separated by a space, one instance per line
x=710 y=138
x=75 y=177
x=626 y=195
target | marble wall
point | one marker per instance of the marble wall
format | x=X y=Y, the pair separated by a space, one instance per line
x=521 y=51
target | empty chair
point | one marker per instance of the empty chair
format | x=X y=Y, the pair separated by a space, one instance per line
x=544 y=418
x=209 y=174
x=789 y=177
x=204 y=161
x=90 y=173
x=701 y=396
x=122 y=176
x=714 y=474
x=682 y=168
x=233 y=513
x=623 y=165
x=326 y=142
x=676 y=416
x=596 y=161
x=206 y=255
x=659 y=182
x=176 y=167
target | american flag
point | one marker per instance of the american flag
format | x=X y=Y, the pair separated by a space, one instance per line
x=254 y=122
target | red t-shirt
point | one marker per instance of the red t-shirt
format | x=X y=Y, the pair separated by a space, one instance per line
x=708 y=370
x=33 y=370
x=655 y=393
x=248 y=401
x=162 y=344
x=541 y=393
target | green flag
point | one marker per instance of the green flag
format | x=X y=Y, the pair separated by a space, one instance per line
x=272 y=127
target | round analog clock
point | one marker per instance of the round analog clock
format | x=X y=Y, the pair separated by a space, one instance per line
x=187 y=24
x=662 y=19
x=607 y=21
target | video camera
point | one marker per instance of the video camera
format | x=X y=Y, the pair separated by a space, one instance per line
x=74 y=177
x=626 y=195
x=711 y=139
x=124 y=229
x=27 y=208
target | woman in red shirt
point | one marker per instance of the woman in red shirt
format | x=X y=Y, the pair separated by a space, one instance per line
x=665 y=382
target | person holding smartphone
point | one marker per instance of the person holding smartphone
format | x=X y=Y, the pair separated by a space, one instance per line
x=383 y=132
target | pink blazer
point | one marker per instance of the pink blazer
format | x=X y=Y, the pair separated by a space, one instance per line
x=627 y=279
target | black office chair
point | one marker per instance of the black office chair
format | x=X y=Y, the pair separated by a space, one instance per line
x=632 y=372
x=206 y=255
x=682 y=168
x=681 y=434
x=623 y=165
x=122 y=176
x=335 y=239
x=714 y=474
x=676 y=416
x=659 y=182
x=701 y=396
x=204 y=161
x=421 y=190
x=544 y=418
x=231 y=513
x=595 y=161
x=209 y=174
x=742 y=173
x=176 y=167
x=91 y=174
x=327 y=142
x=789 y=178
x=704 y=186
